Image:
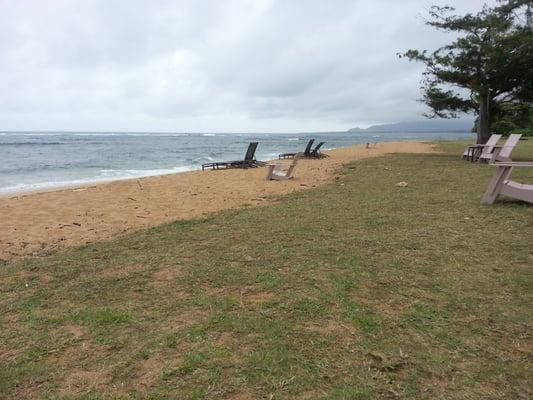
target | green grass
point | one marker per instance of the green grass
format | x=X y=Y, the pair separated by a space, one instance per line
x=355 y=290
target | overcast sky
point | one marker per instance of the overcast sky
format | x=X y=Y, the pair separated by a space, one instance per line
x=220 y=65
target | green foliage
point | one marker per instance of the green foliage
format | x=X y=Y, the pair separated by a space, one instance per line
x=513 y=118
x=488 y=64
x=99 y=318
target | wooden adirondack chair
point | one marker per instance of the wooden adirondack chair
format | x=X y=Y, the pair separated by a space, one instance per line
x=501 y=184
x=503 y=153
x=474 y=151
x=276 y=170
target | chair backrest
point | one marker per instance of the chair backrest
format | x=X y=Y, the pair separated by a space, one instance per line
x=250 y=153
x=508 y=147
x=308 y=147
x=317 y=148
x=493 y=140
x=293 y=165
x=487 y=152
x=489 y=146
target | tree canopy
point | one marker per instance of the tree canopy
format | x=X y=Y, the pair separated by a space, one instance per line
x=488 y=68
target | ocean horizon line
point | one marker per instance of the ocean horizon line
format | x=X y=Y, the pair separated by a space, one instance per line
x=105 y=132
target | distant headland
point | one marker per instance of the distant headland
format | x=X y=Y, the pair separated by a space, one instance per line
x=441 y=125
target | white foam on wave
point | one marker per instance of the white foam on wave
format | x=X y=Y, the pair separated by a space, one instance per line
x=265 y=156
x=293 y=139
x=139 y=173
x=105 y=175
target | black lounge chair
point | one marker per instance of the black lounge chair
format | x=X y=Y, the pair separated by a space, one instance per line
x=315 y=153
x=307 y=152
x=249 y=160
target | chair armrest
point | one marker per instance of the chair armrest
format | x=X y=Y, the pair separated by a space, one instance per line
x=513 y=164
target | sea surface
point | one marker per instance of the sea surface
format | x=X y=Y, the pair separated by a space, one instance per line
x=42 y=160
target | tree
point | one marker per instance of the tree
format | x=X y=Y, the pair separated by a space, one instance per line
x=487 y=66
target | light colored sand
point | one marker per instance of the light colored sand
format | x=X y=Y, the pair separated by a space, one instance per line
x=41 y=222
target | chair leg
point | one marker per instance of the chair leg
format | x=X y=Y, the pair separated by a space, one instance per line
x=270 y=172
x=495 y=185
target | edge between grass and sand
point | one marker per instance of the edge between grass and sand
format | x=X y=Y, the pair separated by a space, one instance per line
x=43 y=222
x=356 y=289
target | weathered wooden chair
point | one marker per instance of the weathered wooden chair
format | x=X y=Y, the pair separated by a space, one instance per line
x=503 y=153
x=276 y=170
x=501 y=184
x=474 y=151
x=306 y=153
x=249 y=160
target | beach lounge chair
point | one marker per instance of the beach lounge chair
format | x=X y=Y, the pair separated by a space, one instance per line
x=502 y=153
x=249 y=160
x=275 y=170
x=306 y=153
x=501 y=184
x=315 y=153
x=474 y=151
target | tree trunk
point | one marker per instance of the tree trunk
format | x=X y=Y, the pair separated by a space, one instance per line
x=483 y=126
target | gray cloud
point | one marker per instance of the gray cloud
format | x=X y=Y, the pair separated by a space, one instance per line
x=197 y=65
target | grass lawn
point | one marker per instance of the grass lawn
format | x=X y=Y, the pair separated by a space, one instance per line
x=355 y=290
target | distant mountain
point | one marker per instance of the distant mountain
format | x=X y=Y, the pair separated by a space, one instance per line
x=430 y=125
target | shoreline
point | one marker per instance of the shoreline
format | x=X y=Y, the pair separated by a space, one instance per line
x=68 y=187
x=71 y=186
x=40 y=222
x=75 y=176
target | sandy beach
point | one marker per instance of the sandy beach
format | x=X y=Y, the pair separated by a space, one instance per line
x=42 y=222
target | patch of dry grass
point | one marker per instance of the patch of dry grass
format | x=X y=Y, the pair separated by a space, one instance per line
x=356 y=290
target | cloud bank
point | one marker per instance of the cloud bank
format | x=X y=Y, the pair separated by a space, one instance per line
x=210 y=65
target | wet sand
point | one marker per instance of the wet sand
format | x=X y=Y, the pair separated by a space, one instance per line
x=42 y=222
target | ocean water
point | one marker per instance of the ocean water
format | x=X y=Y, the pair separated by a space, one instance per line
x=32 y=161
